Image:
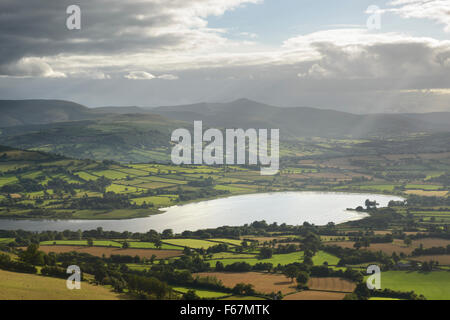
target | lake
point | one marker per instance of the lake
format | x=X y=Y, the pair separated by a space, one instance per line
x=292 y=208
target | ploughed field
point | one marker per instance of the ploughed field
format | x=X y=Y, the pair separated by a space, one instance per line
x=269 y=282
x=397 y=245
x=100 y=251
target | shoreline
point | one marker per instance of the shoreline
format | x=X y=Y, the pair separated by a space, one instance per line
x=134 y=223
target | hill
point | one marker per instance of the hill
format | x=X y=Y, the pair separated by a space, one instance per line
x=21 y=286
x=143 y=134
x=304 y=121
x=127 y=137
x=26 y=112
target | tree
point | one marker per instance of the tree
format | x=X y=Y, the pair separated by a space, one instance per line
x=219 y=266
x=302 y=278
x=407 y=241
x=395 y=258
x=362 y=291
x=358 y=245
x=291 y=272
x=158 y=243
x=265 y=253
x=168 y=233
x=191 y=295
x=125 y=245
x=243 y=289
x=33 y=256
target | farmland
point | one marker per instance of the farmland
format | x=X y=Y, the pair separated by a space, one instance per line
x=39 y=185
x=315 y=295
x=19 y=286
x=65 y=188
x=191 y=243
x=206 y=294
x=265 y=283
x=106 y=251
x=433 y=285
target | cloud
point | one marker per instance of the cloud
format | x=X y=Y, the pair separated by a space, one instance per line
x=30 y=67
x=140 y=75
x=168 y=77
x=436 y=10
x=108 y=28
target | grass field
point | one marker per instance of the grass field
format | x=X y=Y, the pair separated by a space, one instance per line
x=20 y=286
x=98 y=243
x=276 y=259
x=207 y=294
x=320 y=257
x=191 y=243
x=243 y=298
x=6 y=240
x=228 y=241
x=151 y=245
x=433 y=285
x=158 y=201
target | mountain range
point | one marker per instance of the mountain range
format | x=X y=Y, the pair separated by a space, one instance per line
x=142 y=133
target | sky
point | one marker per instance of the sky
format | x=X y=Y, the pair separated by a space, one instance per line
x=350 y=55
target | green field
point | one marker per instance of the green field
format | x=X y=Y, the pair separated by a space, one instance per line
x=98 y=243
x=191 y=243
x=206 y=294
x=276 y=259
x=151 y=245
x=158 y=201
x=243 y=298
x=321 y=257
x=229 y=241
x=21 y=286
x=433 y=285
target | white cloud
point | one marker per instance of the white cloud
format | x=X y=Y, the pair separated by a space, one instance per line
x=436 y=10
x=139 y=75
x=168 y=77
x=30 y=67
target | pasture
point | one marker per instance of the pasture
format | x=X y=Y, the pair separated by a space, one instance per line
x=106 y=251
x=433 y=285
x=205 y=294
x=191 y=243
x=315 y=295
x=21 y=286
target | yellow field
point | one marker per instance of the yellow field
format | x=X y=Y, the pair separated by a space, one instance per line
x=21 y=286
x=427 y=193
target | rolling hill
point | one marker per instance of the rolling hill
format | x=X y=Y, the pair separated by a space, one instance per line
x=143 y=134
x=304 y=121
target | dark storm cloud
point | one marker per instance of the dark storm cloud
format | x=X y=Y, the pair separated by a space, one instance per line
x=38 y=28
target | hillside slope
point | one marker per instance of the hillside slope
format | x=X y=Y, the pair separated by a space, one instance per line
x=304 y=121
x=25 y=112
x=21 y=286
